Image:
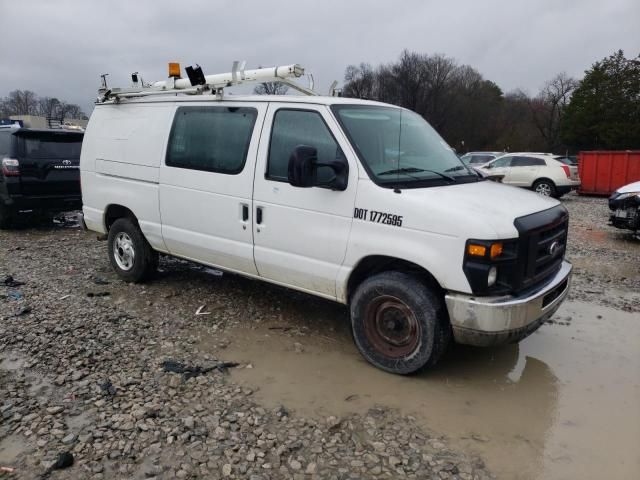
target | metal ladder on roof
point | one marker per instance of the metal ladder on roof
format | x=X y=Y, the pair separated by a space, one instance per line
x=199 y=83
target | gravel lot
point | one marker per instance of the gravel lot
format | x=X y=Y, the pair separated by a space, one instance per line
x=606 y=259
x=82 y=368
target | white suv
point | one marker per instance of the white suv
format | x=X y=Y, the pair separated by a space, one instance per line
x=542 y=172
x=351 y=200
x=479 y=158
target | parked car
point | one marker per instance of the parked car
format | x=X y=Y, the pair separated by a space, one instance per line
x=479 y=158
x=40 y=172
x=541 y=172
x=625 y=205
x=487 y=175
x=568 y=160
x=352 y=200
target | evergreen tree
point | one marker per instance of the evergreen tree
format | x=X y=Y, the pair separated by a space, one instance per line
x=604 y=111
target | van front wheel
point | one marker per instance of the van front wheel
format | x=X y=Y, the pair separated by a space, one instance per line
x=399 y=323
x=130 y=254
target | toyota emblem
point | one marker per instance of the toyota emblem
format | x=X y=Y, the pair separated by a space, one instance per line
x=66 y=162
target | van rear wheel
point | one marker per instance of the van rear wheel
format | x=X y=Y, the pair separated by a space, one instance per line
x=130 y=254
x=399 y=323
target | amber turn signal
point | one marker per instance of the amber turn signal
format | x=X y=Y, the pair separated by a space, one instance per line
x=476 y=250
x=496 y=249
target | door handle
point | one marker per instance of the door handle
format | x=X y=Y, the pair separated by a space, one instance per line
x=245 y=212
x=259 y=215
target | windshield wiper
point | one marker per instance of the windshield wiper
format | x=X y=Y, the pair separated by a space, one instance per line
x=463 y=167
x=417 y=170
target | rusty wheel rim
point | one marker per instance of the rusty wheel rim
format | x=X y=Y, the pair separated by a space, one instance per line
x=391 y=327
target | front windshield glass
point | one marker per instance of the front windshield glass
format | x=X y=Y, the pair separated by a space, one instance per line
x=399 y=148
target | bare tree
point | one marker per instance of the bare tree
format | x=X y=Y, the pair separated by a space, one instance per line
x=440 y=77
x=548 y=108
x=472 y=110
x=360 y=81
x=462 y=105
x=4 y=108
x=22 y=102
x=515 y=126
x=70 y=110
x=271 y=88
x=48 y=107
x=26 y=102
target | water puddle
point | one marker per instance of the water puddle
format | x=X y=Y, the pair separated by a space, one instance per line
x=10 y=449
x=39 y=385
x=564 y=403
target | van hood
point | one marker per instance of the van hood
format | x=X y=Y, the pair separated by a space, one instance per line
x=483 y=210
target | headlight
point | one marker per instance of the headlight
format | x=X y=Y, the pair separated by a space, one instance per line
x=492 y=277
x=490 y=265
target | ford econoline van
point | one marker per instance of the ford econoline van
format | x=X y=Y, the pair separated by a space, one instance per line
x=351 y=200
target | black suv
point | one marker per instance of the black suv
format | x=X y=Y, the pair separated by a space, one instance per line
x=40 y=172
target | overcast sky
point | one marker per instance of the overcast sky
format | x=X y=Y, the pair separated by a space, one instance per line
x=59 y=48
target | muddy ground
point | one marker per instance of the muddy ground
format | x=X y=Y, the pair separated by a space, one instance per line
x=81 y=370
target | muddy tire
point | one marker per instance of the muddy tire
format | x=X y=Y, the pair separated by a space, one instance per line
x=130 y=254
x=399 y=323
x=545 y=188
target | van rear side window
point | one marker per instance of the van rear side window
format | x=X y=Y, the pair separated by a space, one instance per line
x=213 y=139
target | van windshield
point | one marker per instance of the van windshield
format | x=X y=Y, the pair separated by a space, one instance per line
x=398 y=148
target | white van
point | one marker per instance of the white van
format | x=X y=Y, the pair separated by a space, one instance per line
x=355 y=201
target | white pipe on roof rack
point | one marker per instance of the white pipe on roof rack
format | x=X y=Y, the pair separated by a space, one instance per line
x=236 y=77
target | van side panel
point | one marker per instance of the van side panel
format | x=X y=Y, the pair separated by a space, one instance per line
x=120 y=162
x=206 y=215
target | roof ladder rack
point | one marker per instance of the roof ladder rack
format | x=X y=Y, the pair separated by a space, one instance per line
x=198 y=83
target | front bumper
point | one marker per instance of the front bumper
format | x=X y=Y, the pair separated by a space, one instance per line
x=568 y=186
x=626 y=218
x=626 y=212
x=485 y=321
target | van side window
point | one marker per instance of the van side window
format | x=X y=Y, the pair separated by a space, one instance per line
x=213 y=139
x=300 y=127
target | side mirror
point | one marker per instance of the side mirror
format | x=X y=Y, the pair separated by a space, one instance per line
x=303 y=169
x=302 y=166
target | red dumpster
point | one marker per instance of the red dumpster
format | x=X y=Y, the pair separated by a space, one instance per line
x=604 y=171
